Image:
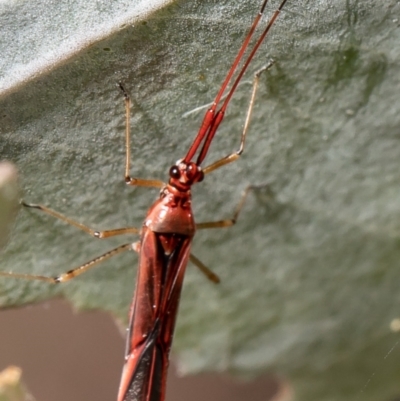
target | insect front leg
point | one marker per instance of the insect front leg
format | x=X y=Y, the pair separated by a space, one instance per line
x=128 y=179
x=235 y=155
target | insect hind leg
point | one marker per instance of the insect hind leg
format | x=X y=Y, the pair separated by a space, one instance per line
x=71 y=273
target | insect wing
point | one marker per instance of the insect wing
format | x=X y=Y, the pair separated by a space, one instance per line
x=162 y=264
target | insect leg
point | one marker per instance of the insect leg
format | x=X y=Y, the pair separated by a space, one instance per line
x=128 y=179
x=222 y=224
x=204 y=269
x=86 y=229
x=71 y=273
x=228 y=222
x=235 y=155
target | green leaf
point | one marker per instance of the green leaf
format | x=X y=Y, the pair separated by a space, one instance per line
x=310 y=272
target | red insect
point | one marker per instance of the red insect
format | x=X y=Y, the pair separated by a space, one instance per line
x=165 y=241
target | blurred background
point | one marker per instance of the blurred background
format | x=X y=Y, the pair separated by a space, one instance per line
x=66 y=355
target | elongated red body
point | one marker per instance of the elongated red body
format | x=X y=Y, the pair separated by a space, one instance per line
x=164 y=252
x=165 y=243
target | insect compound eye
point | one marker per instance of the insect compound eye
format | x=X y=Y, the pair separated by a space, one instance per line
x=174 y=172
x=191 y=171
x=194 y=172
